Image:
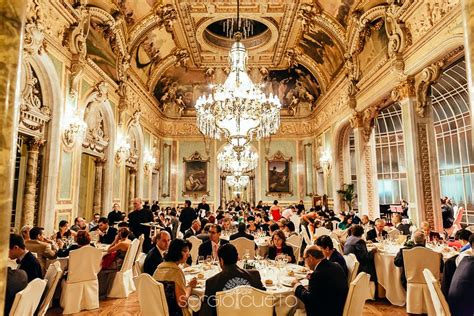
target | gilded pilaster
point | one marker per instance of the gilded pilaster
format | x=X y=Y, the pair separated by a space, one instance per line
x=98 y=184
x=468 y=12
x=131 y=188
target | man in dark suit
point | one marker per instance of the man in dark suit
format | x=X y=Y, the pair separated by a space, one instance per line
x=106 y=233
x=155 y=255
x=17 y=280
x=327 y=246
x=26 y=259
x=241 y=233
x=210 y=247
x=377 y=232
x=397 y=223
x=188 y=214
x=194 y=229
x=462 y=286
x=116 y=215
x=230 y=277
x=327 y=288
x=356 y=245
x=138 y=217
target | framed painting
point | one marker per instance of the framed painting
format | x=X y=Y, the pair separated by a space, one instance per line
x=195 y=175
x=279 y=175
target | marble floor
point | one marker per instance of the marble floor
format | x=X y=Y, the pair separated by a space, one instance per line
x=129 y=306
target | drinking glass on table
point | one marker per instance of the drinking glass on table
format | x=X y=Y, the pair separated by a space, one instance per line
x=201 y=260
x=209 y=260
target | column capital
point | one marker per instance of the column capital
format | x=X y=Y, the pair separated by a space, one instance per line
x=425 y=79
x=133 y=171
x=404 y=90
x=99 y=162
x=365 y=120
x=34 y=144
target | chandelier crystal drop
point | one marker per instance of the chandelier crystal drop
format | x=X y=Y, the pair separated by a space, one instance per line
x=238 y=110
x=240 y=161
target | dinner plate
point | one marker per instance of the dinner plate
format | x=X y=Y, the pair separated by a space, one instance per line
x=191 y=270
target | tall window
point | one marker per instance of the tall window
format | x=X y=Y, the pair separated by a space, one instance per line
x=452 y=122
x=390 y=150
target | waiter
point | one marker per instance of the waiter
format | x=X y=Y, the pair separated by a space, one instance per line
x=135 y=221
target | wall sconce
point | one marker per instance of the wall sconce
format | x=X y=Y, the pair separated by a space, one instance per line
x=74 y=130
x=149 y=162
x=325 y=161
x=123 y=151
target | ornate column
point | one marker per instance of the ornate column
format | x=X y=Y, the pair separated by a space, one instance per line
x=98 y=185
x=12 y=18
x=252 y=190
x=131 y=188
x=468 y=12
x=223 y=191
x=420 y=147
x=28 y=212
x=366 y=168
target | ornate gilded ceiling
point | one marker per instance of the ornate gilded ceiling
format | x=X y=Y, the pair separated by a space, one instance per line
x=177 y=47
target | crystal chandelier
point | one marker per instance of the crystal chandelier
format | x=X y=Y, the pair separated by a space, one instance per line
x=230 y=160
x=237 y=182
x=238 y=110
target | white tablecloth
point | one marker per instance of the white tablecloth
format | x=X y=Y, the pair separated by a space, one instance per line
x=389 y=277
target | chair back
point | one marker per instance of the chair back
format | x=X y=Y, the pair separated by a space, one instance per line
x=337 y=245
x=321 y=231
x=394 y=233
x=84 y=264
x=151 y=296
x=439 y=302
x=140 y=245
x=295 y=240
x=130 y=255
x=402 y=239
x=138 y=265
x=196 y=242
x=261 y=302
x=352 y=267
x=52 y=277
x=416 y=259
x=296 y=219
x=307 y=238
x=27 y=300
x=243 y=245
x=357 y=295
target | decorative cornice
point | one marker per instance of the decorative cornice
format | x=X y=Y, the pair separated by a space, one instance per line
x=428 y=76
x=404 y=90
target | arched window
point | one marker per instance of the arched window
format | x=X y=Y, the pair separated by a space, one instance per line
x=452 y=123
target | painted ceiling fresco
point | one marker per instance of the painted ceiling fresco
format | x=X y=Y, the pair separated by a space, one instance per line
x=338 y=8
x=100 y=51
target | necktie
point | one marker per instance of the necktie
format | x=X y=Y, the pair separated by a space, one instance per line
x=214 y=251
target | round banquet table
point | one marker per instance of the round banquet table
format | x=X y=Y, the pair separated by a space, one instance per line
x=285 y=301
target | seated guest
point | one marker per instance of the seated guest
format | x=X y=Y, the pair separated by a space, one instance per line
x=462 y=286
x=279 y=247
x=227 y=224
x=209 y=248
x=290 y=229
x=115 y=216
x=81 y=239
x=273 y=228
x=64 y=232
x=106 y=233
x=25 y=232
x=327 y=288
x=39 y=245
x=204 y=234
x=170 y=272
x=397 y=223
x=93 y=225
x=230 y=277
x=241 y=233
x=17 y=280
x=419 y=240
x=447 y=213
x=155 y=255
x=252 y=226
x=377 y=233
x=430 y=235
x=79 y=224
x=366 y=223
x=356 y=245
x=346 y=222
x=464 y=236
x=451 y=265
x=26 y=259
x=326 y=245
x=112 y=262
x=193 y=230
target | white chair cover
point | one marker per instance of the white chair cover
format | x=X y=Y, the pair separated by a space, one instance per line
x=244 y=244
x=357 y=295
x=123 y=281
x=440 y=305
x=394 y=233
x=196 y=242
x=257 y=302
x=295 y=240
x=140 y=245
x=52 y=277
x=151 y=296
x=352 y=267
x=337 y=245
x=27 y=300
x=138 y=265
x=415 y=260
x=81 y=289
x=296 y=219
x=321 y=231
x=306 y=236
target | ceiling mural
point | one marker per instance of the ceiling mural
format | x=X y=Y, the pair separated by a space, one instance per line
x=375 y=47
x=100 y=50
x=135 y=10
x=339 y=9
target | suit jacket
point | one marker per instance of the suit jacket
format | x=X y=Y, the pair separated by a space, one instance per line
x=403 y=228
x=31 y=266
x=230 y=277
x=186 y=218
x=152 y=260
x=190 y=232
x=287 y=250
x=241 y=234
x=336 y=257
x=358 y=247
x=462 y=286
x=109 y=236
x=449 y=269
x=17 y=280
x=205 y=249
x=326 y=292
x=43 y=250
x=372 y=235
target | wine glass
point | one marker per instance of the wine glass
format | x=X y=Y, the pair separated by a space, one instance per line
x=201 y=260
x=209 y=260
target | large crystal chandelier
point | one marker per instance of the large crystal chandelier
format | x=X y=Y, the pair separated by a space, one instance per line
x=238 y=110
x=233 y=161
x=237 y=182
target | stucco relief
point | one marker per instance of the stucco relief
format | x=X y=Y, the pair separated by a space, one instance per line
x=425 y=173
